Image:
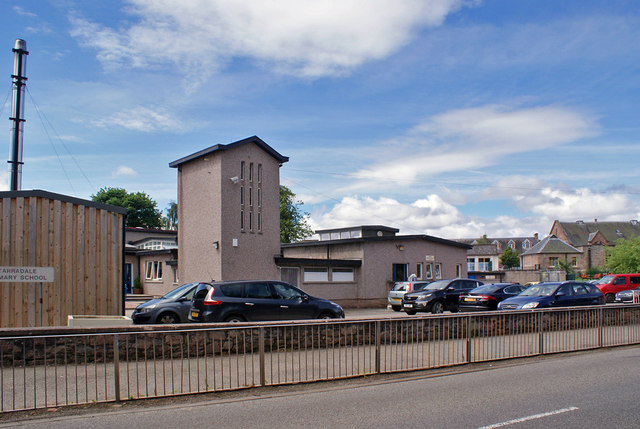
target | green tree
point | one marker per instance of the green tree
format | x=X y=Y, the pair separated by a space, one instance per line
x=142 y=209
x=624 y=257
x=567 y=268
x=293 y=221
x=510 y=258
x=171 y=220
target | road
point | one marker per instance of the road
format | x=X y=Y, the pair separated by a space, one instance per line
x=583 y=390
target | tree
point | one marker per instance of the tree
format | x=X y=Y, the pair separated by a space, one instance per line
x=142 y=209
x=510 y=258
x=293 y=222
x=171 y=221
x=624 y=257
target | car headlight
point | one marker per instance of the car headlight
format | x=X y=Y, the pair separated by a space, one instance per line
x=147 y=308
x=424 y=297
x=530 y=305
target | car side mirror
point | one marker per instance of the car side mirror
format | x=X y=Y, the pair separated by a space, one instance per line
x=561 y=294
x=305 y=298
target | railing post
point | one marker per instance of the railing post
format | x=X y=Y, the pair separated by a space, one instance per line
x=116 y=366
x=378 y=357
x=600 y=327
x=263 y=376
x=468 y=335
x=540 y=334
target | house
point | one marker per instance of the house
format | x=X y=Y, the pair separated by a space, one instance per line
x=547 y=253
x=229 y=209
x=357 y=266
x=593 y=238
x=483 y=259
x=151 y=256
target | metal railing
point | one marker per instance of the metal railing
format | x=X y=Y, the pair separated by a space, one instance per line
x=51 y=371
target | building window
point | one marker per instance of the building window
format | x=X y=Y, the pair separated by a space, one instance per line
x=438 y=271
x=175 y=274
x=342 y=275
x=241 y=170
x=471 y=264
x=250 y=221
x=428 y=271
x=574 y=262
x=316 y=275
x=259 y=173
x=259 y=197
x=484 y=264
x=259 y=222
x=251 y=172
x=250 y=197
x=400 y=272
x=241 y=195
x=526 y=244
x=242 y=219
x=512 y=244
x=458 y=270
x=153 y=270
x=419 y=271
x=553 y=261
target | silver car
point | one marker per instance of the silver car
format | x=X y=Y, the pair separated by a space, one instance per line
x=400 y=288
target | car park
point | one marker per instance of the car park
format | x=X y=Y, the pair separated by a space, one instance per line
x=171 y=308
x=487 y=297
x=257 y=300
x=438 y=296
x=400 y=289
x=611 y=284
x=627 y=295
x=554 y=294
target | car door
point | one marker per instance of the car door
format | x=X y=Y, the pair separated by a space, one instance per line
x=292 y=303
x=563 y=297
x=183 y=303
x=452 y=293
x=259 y=302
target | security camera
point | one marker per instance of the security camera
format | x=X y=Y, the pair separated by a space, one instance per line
x=234 y=180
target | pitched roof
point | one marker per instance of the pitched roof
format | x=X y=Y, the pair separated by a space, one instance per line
x=221 y=147
x=580 y=233
x=551 y=244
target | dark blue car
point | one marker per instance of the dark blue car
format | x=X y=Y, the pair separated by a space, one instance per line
x=555 y=294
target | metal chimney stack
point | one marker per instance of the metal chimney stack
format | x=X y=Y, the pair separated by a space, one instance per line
x=19 y=70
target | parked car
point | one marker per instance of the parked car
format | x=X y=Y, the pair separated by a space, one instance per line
x=400 y=288
x=554 y=294
x=171 y=308
x=487 y=297
x=627 y=295
x=611 y=284
x=438 y=296
x=240 y=301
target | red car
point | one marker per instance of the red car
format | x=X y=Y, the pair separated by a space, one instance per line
x=611 y=284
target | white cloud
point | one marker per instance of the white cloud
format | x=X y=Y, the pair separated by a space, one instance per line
x=4 y=181
x=143 y=119
x=20 y=11
x=305 y=38
x=124 y=171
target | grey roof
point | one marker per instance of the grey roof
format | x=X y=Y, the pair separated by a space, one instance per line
x=38 y=193
x=221 y=147
x=551 y=244
x=495 y=246
x=383 y=238
x=579 y=233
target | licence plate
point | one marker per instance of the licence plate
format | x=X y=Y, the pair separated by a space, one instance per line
x=407 y=305
x=395 y=299
x=470 y=300
x=195 y=314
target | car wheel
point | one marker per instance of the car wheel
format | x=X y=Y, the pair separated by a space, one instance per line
x=410 y=312
x=234 y=319
x=168 y=318
x=396 y=308
x=326 y=316
x=610 y=297
x=437 y=307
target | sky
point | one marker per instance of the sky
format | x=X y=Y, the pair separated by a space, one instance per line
x=454 y=118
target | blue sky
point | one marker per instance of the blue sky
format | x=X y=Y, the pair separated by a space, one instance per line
x=448 y=117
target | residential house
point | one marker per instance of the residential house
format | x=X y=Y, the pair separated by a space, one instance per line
x=547 y=254
x=151 y=255
x=593 y=238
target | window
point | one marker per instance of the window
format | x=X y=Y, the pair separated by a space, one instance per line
x=259 y=173
x=458 y=270
x=241 y=195
x=259 y=221
x=471 y=264
x=257 y=290
x=419 y=271
x=250 y=221
x=241 y=219
x=428 y=273
x=316 y=275
x=342 y=275
x=526 y=244
x=153 y=270
x=242 y=170
x=620 y=281
x=553 y=261
x=400 y=272
x=512 y=244
x=574 y=262
x=259 y=197
x=251 y=172
x=438 y=271
x=250 y=197
x=284 y=291
x=484 y=264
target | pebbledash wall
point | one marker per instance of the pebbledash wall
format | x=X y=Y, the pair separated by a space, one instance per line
x=81 y=240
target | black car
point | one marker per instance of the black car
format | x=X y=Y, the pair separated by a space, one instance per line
x=487 y=297
x=438 y=296
x=172 y=308
x=554 y=294
x=241 y=301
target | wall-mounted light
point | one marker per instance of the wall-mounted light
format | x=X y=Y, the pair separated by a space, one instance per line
x=400 y=246
x=216 y=244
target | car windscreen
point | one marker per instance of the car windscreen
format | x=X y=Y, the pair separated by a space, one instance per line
x=605 y=280
x=437 y=285
x=178 y=291
x=484 y=289
x=401 y=286
x=540 y=290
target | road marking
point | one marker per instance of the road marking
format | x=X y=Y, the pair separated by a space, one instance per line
x=533 y=417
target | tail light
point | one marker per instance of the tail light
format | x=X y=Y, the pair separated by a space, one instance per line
x=208 y=300
x=487 y=297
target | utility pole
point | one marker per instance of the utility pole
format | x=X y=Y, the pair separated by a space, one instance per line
x=19 y=70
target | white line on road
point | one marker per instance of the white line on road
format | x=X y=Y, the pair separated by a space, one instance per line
x=533 y=417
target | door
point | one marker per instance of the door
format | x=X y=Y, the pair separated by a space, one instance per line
x=127 y=278
x=290 y=275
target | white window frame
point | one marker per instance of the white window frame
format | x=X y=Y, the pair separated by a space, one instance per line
x=315 y=275
x=438 y=273
x=342 y=275
x=428 y=271
x=153 y=270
